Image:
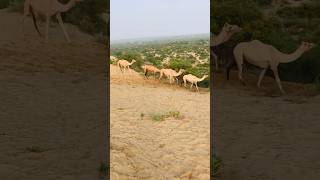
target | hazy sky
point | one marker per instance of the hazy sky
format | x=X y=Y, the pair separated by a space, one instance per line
x=153 y=18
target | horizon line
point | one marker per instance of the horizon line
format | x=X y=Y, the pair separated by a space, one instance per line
x=164 y=36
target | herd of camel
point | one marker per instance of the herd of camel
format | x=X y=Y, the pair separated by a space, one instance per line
x=256 y=53
x=171 y=74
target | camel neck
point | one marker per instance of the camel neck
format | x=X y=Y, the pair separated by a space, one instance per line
x=202 y=78
x=220 y=38
x=287 y=58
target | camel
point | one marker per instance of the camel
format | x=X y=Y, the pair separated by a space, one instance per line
x=226 y=33
x=170 y=73
x=264 y=56
x=48 y=8
x=124 y=64
x=150 y=68
x=193 y=80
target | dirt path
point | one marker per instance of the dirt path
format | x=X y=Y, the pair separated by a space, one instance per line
x=142 y=148
x=260 y=135
x=52 y=107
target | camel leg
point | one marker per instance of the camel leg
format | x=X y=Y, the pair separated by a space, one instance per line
x=185 y=83
x=276 y=75
x=197 y=87
x=263 y=72
x=62 y=27
x=25 y=14
x=145 y=74
x=161 y=74
x=215 y=60
x=47 y=26
x=22 y=24
x=240 y=73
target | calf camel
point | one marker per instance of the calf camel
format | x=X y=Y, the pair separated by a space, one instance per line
x=149 y=68
x=170 y=73
x=124 y=64
x=193 y=80
x=264 y=56
x=227 y=31
x=48 y=8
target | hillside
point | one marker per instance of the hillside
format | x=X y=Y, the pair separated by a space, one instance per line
x=53 y=103
x=158 y=131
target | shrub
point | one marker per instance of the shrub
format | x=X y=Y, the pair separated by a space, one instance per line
x=4 y=3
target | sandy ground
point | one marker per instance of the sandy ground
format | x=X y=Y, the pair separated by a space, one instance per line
x=53 y=104
x=142 y=148
x=261 y=135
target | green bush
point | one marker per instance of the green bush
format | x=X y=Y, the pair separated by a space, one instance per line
x=216 y=165
x=4 y=3
x=16 y=5
x=317 y=83
x=180 y=64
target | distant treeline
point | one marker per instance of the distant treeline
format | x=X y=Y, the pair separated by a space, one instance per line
x=284 y=28
x=86 y=14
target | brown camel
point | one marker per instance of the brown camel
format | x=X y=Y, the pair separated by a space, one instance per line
x=150 y=68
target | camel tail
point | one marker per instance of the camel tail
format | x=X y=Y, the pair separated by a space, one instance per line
x=34 y=20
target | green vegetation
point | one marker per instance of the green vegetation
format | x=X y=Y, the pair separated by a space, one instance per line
x=284 y=29
x=35 y=149
x=86 y=14
x=162 y=117
x=190 y=54
x=104 y=169
x=216 y=164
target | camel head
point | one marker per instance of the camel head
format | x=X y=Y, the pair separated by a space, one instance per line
x=205 y=76
x=231 y=28
x=133 y=61
x=182 y=71
x=306 y=46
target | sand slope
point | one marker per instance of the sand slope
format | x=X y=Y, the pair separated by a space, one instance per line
x=142 y=148
x=53 y=103
x=260 y=135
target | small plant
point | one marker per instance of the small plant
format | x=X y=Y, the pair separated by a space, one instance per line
x=35 y=149
x=162 y=117
x=317 y=83
x=158 y=117
x=104 y=169
x=216 y=164
x=141 y=116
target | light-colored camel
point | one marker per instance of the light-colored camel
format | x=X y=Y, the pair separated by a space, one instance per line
x=170 y=74
x=48 y=8
x=124 y=64
x=150 y=68
x=226 y=33
x=264 y=56
x=193 y=80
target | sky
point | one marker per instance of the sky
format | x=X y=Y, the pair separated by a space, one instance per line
x=132 y=19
